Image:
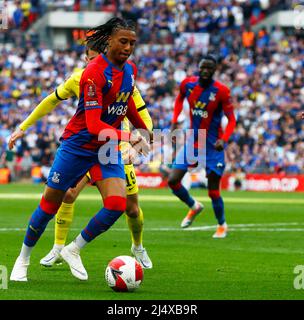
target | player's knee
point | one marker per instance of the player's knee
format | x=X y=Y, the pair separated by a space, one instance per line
x=132 y=210
x=70 y=196
x=173 y=182
x=214 y=194
x=49 y=207
x=116 y=203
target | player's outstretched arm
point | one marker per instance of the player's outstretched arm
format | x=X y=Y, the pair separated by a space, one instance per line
x=46 y=106
x=43 y=108
x=16 y=135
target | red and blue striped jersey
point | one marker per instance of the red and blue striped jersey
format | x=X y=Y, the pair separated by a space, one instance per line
x=207 y=106
x=105 y=90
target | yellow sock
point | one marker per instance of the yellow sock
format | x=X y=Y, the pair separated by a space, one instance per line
x=136 y=228
x=64 y=218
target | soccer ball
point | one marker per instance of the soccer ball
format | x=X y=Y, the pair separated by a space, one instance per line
x=124 y=273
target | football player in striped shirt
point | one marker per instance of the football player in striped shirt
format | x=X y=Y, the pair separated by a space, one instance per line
x=65 y=214
x=209 y=100
x=106 y=88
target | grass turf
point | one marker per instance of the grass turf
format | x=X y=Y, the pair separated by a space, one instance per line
x=255 y=261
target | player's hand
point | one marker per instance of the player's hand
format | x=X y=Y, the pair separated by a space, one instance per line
x=16 y=135
x=174 y=126
x=129 y=154
x=219 y=145
x=139 y=144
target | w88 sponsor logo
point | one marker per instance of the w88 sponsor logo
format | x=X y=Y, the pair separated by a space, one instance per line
x=119 y=110
x=201 y=113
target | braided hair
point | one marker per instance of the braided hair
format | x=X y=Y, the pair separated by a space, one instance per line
x=97 y=38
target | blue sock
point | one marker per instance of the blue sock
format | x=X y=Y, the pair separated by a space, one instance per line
x=218 y=207
x=36 y=227
x=182 y=193
x=100 y=223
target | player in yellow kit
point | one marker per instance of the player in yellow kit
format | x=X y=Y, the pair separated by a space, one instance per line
x=64 y=217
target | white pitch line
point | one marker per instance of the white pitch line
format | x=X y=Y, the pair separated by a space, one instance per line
x=159 y=198
x=266 y=224
x=268 y=229
x=234 y=227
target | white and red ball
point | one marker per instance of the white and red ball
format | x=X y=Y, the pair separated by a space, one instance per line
x=124 y=273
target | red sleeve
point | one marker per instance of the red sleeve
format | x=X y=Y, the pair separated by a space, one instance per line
x=229 y=113
x=179 y=101
x=134 y=116
x=91 y=85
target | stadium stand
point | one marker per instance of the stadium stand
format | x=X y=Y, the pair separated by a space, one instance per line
x=263 y=68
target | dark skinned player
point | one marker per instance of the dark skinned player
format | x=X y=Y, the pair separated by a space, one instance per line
x=209 y=100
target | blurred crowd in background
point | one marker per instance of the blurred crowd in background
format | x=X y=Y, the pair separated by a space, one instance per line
x=158 y=20
x=264 y=70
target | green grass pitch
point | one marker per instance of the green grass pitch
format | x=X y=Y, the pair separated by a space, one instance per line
x=255 y=261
